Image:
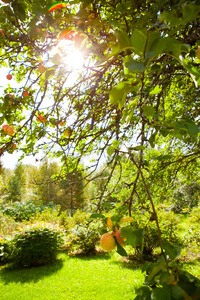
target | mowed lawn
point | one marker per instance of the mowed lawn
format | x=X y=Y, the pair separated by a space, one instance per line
x=100 y=277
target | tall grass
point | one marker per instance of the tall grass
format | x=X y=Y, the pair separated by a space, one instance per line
x=98 y=278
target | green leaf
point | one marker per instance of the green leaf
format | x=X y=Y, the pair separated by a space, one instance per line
x=152 y=139
x=191 y=127
x=156 y=90
x=171 y=250
x=169 y=46
x=107 y=204
x=118 y=92
x=137 y=148
x=167 y=278
x=116 y=219
x=194 y=72
x=120 y=250
x=164 y=131
x=189 y=283
x=143 y=293
x=97 y=216
x=122 y=101
x=110 y=150
x=123 y=40
x=156 y=269
x=49 y=73
x=148 y=266
x=177 y=292
x=190 y=12
x=134 y=237
x=19 y=10
x=135 y=66
x=138 y=40
x=161 y=293
x=181 y=126
x=116 y=143
x=149 y=111
x=170 y=18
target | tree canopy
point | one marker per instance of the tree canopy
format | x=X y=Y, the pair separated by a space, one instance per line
x=132 y=86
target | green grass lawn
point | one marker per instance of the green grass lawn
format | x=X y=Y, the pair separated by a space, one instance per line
x=99 y=277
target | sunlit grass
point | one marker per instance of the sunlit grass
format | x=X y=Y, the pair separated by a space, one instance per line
x=72 y=278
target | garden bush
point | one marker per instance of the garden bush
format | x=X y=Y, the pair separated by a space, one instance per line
x=49 y=215
x=192 y=236
x=168 y=221
x=36 y=244
x=194 y=217
x=21 y=211
x=5 y=250
x=70 y=222
x=185 y=197
x=7 y=225
x=84 y=237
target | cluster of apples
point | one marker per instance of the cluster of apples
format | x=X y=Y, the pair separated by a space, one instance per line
x=67 y=132
x=108 y=242
x=25 y=93
x=41 y=118
x=9 y=130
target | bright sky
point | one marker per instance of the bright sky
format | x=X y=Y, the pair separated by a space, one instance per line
x=75 y=61
x=10 y=160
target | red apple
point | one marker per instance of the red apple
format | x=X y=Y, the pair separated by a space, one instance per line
x=40 y=118
x=9 y=76
x=25 y=94
x=119 y=238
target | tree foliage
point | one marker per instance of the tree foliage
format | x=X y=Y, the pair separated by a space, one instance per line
x=136 y=91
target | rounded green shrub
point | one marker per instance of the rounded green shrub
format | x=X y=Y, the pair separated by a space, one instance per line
x=70 y=222
x=7 y=225
x=192 y=234
x=5 y=250
x=84 y=237
x=168 y=222
x=36 y=244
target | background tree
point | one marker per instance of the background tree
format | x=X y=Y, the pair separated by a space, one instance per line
x=17 y=183
x=48 y=187
x=71 y=195
x=45 y=188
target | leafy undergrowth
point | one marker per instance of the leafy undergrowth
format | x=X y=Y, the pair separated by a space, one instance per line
x=98 y=277
x=192 y=267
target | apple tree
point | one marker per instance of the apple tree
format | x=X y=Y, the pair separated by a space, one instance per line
x=116 y=78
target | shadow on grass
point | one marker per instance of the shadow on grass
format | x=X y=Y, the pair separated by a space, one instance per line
x=33 y=274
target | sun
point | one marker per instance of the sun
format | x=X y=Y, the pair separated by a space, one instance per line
x=71 y=56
